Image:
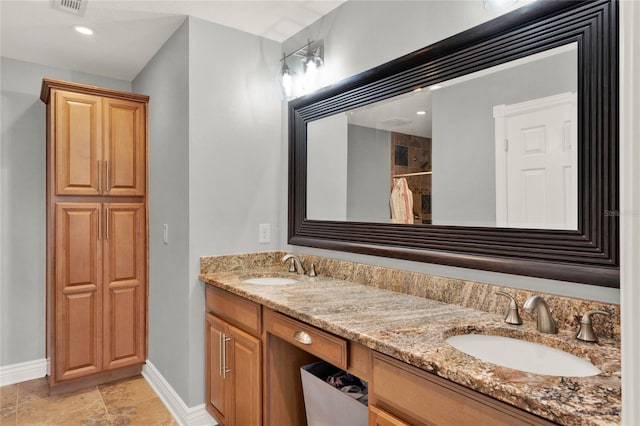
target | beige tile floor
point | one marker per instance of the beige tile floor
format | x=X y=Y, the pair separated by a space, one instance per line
x=126 y=402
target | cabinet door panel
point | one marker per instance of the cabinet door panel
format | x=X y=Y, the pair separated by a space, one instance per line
x=124 y=285
x=78 y=144
x=244 y=361
x=215 y=383
x=81 y=353
x=125 y=147
x=78 y=303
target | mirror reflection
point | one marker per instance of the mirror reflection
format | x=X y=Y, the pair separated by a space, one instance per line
x=492 y=148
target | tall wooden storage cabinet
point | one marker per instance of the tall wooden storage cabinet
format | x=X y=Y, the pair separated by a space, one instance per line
x=96 y=233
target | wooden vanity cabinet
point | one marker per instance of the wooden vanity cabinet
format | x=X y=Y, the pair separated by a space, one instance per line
x=401 y=394
x=96 y=234
x=253 y=360
x=233 y=359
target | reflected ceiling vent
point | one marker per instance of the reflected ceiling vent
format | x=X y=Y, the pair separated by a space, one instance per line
x=75 y=7
x=396 y=121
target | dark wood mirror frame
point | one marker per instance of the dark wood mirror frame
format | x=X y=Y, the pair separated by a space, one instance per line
x=590 y=254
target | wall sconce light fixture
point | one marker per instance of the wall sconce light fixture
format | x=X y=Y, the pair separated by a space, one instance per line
x=286 y=78
x=311 y=65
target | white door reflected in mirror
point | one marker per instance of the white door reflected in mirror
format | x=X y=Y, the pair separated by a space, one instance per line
x=536 y=163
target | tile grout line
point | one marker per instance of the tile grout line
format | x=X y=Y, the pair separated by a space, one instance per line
x=104 y=404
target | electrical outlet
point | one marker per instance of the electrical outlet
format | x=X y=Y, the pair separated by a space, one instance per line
x=264 y=233
x=165 y=233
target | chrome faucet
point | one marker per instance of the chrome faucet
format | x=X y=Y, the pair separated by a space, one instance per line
x=295 y=265
x=545 y=322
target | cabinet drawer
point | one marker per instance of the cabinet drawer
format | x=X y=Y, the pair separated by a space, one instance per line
x=326 y=346
x=236 y=310
x=418 y=397
x=378 y=417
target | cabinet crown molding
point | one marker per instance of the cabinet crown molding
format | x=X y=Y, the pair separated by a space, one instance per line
x=49 y=84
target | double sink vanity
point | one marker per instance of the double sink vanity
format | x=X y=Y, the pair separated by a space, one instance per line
x=437 y=350
x=397 y=330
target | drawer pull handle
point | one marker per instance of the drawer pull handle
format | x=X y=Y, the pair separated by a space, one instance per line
x=108 y=176
x=225 y=370
x=302 y=337
x=99 y=176
x=221 y=353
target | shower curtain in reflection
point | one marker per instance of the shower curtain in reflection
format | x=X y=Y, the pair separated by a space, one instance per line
x=401 y=202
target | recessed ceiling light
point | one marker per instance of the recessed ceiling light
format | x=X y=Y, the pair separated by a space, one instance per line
x=83 y=30
x=421 y=112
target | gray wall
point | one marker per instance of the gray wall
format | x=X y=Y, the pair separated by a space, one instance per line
x=166 y=80
x=22 y=205
x=368 y=176
x=214 y=128
x=464 y=184
x=234 y=148
x=360 y=35
x=327 y=149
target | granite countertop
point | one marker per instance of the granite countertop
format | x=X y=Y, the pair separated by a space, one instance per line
x=414 y=329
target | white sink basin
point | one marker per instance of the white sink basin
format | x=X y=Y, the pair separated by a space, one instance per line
x=270 y=281
x=523 y=355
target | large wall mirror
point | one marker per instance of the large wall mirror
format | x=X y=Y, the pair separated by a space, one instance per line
x=494 y=149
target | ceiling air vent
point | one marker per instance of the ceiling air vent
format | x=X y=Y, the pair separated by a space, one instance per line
x=395 y=122
x=76 y=7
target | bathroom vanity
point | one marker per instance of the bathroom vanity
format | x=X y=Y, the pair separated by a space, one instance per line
x=259 y=335
x=390 y=327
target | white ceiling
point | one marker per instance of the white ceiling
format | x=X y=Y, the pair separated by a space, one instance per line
x=397 y=114
x=129 y=32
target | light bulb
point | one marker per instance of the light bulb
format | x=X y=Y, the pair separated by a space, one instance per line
x=311 y=66
x=286 y=79
x=287 y=84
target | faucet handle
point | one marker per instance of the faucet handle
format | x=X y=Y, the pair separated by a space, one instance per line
x=292 y=265
x=312 y=270
x=513 y=316
x=585 y=332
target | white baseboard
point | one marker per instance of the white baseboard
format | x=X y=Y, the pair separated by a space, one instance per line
x=187 y=416
x=24 y=371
